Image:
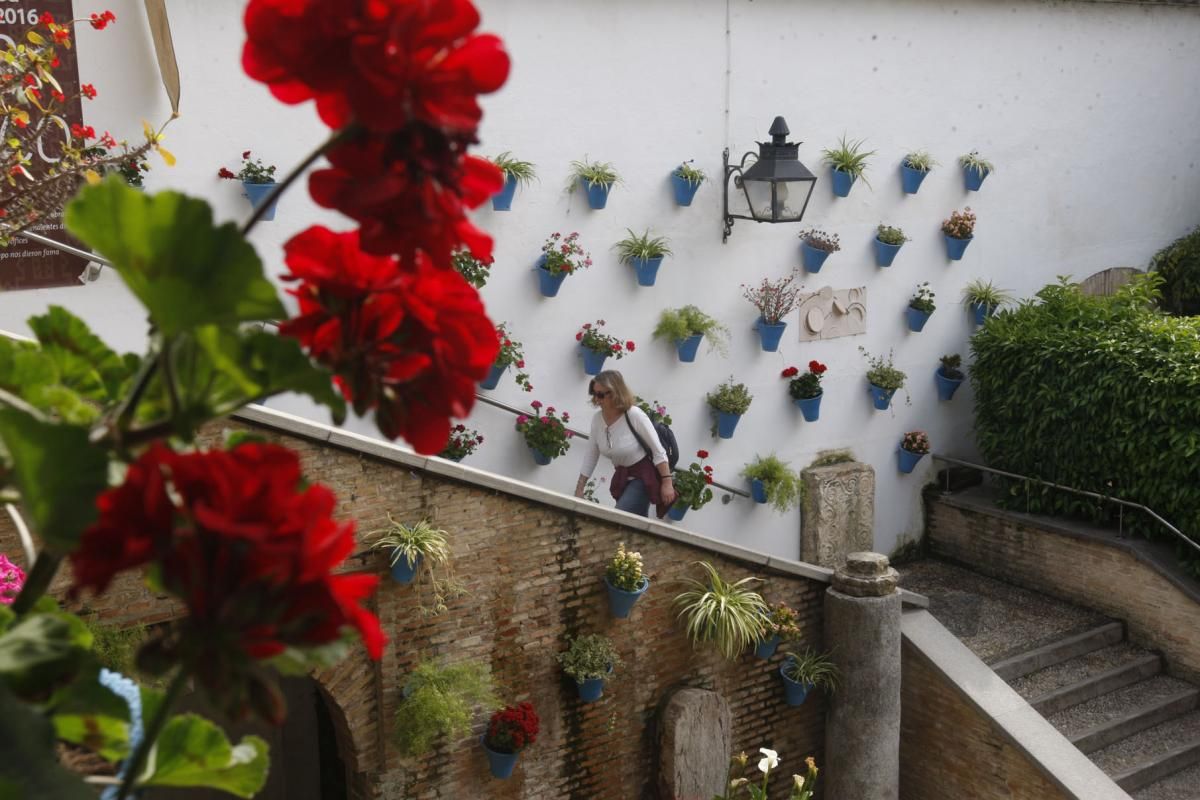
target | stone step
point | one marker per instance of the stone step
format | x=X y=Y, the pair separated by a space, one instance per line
x=1076 y=681
x=1051 y=678
x=1103 y=720
x=1153 y=754
x=1176 y=786
x=1057 y=652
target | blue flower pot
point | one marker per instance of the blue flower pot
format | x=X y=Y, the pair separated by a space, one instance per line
x=956 y=247
x=726 y=424
x=593 y=362
x=770 y=334
x=493 y=378
x=882 y=398
x=621 y=602
x=257 y=193
x=973 y=179
x=592 y=689
x=946 y=387
x=539 y=458
x=766 y=648
x=908 y=459
x=684 y=190
x=597 y=194
x=758 y=491
x=501 y=764
x=980 y=312
x=403 y=571
x=842 y=181
x=677 y=511
x=794 y=692
x=549 y=284
x=812 y=257
x=885 y=253
x=810 y=407
x=502 y=200
x=916 y=319
x=688 y=347
x=647 y=269
x=910 y=179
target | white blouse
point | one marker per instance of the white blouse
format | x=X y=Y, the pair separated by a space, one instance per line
x=617 y=442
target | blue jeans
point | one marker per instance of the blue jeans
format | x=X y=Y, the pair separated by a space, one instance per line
x=634 y=499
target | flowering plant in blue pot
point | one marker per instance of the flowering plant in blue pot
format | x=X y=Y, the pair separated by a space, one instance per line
x=258 y=181
x=692 y=487
x=806 y=389
x=625 y=581
x=774 y=300
x=913 y=447
x=884 y=379
x=516 y=173
x=561 y=256
x=462 y=443
x=596 y=346
x=920 y=307
x=597 y=178
x=959 y=230
x=685 y=181
x=781 y=624
x=545 y=433
x=511 y=354
x=815 y=246
x=509 y=731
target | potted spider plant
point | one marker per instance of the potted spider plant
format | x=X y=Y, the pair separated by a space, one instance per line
x=597 y=178
x=815 y=246
x=920 y=308
x=913 y=447
x=772 y=482
x=849 y=163
x=686 y=180
x=731 y=615
x=410 y=546
x=625 y=581
x=802 y=672
x=516 y=172
x=949 y=376
x=975 y=169
x=806 y=389
x=884 y=379
x=774 y=301
x=728 y=403
x=959 y=230
x=888 y=241
x=685 y=327
x=781 y=625
x=983 y=298
x=644 y=253
x=589 y=660
x=913 y=170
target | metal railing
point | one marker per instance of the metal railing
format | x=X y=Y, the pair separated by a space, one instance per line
x=1121 y=504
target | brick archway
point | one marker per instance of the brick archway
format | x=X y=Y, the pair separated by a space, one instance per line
x=350 y=690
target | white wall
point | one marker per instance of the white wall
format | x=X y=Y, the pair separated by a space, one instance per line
x=1090 y=112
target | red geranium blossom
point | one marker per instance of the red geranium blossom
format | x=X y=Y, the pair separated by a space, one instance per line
x=100 y=21
x=512 y=729
x=816 y=367
x=408 y=342
x=790 y=372
x=702 y=454
x=88 y=91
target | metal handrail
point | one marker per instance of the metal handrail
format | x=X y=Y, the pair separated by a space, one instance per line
x=1106 y=498
x=581 y=435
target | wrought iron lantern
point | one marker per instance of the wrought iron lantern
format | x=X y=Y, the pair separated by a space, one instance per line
x=776 y=187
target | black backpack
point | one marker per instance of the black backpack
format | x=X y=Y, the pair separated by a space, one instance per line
x=666 y=437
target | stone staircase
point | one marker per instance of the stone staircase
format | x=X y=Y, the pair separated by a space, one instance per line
x=1114 y=702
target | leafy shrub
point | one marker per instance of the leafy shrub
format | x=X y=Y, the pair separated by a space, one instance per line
x=1179 y=265
x=783 y=486
x=1098 y=393
x=439 y=701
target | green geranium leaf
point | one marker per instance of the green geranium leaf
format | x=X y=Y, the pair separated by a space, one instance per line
x=86 y=363
x=41 y=649
x=186 y=271
x=106 y=736
x=302 y=661
x=29 y=769
x=193 y=752
x=58 y=472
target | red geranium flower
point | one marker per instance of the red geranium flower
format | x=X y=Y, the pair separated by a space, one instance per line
x=100 y=21
x=46 y=18
x=816 y=367
x=88 y=91
x=789 y=372
x=63 y=36
x=83 y=131
x=702 y=454
x=629 y=346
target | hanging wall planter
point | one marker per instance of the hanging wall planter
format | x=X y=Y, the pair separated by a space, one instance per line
x=540 y=458
x=984 y=298
x=685 y=327
x=758 y=491
x=914 y=168
x=493 y=378
x=912 y=449
x=515 y=172
x=728 y=403
x=883 y=379
x=502 y=201
x=975 y=169
x=810 y=407
x=727 y=424
x=920 y=307
x=258 y=181
x=644 y=253
x=501 y=765
x=805 y=389
x=554 y=265
x=403 y=570
x=596 y=346
x=880 y=397
x=687 y=348
x=916 y=319
x=815 y=246
x=685 y=181
x=948 y=376
x=589 y=660
x=955 y=248
x=888 y=241
x=958 y=230
x=766 y=648
x=620 y=601
x=677 y=511
x=770 y=334
x=847 y=163
x=802 y=672
x=597 y=179
x=774 y=300
x=257 y=193
x=545 y=433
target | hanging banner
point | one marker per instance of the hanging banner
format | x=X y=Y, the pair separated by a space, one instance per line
x=26 y=264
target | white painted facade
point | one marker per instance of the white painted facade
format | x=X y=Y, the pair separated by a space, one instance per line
x=1090 y=112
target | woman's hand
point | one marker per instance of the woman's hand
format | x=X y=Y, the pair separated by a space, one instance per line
x=667 y=491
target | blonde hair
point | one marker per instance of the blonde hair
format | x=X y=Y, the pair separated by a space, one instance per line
x=611 y=379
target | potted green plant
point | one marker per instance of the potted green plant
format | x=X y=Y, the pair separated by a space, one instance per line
x=747 y=785
x=772 y=482
x=439 y=701
x=913 y=447
x=849 y=163
x=914 y=168
x=983 y=298
x=462 y=443
x=545 y=434
x=258 y=182
x=588 y=660
x=949 y=376
x=888 y=240
x=975 y=169
x=774 y=301
x=511 y=354
x=802 y=672
x=685 y=180
x=729 y=401
x=815 y=246
x=884 y=379
x=625 y=581
x=410 y=546
x=782 y=624
x=560 y=257
x=509 y=731
x=920 y=307
x=644 y=253
x=476 y=271
x=959 y=230
x=692 y=487
x=595 y=346
x=806 y=389
x=516 y=172
x=730 y=615
x=597 y=178
x=686 y=326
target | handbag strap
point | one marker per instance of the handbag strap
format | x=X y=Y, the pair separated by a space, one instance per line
x=632 y=429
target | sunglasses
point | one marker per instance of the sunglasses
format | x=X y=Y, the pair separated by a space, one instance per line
x=600 y=395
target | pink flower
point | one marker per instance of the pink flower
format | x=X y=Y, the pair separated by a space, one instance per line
x=629 y=346
x=536 y=404
x=522 y=419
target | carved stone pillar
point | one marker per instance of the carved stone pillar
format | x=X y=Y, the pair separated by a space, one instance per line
x=839 y=513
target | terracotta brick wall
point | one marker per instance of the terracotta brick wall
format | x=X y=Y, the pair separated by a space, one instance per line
x=1098 y=574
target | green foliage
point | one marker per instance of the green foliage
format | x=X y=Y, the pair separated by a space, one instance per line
x=784 y=488
x=440 y=701
x=849 y=157
x=731 y=615
x=828 y=458
x=675 y=324
x=523 y=171
x=1097 y=393
x=730 y=397
x=642 y=246
x=431 y=545
x=974 y=163
x=192 y=752
x=985 y=293
x=41 y=649
x=812 y=668
x=890 y=235
x=28 y=766
x=951 y=365
x=589 y=657
x=923 y=299
x=593 y=173
x=690 y=174
x=1179 y=265
x=920 y=160
x=883 y=372
x=474 y=270
x=116 y=648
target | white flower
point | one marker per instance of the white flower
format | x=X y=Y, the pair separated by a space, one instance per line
x=769 y=763
x=799 y=781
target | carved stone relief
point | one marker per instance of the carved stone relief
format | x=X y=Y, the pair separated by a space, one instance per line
x=829 y=313
x=839 y=513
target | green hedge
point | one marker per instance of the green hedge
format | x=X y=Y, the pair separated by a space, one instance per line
x=1179 y=265
x=1099 y=393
